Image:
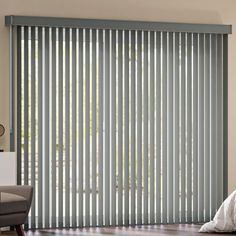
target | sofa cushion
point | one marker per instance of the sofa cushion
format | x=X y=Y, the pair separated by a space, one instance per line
x=12 y=203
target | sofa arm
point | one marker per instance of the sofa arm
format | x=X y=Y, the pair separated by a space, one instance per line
x=24 y=191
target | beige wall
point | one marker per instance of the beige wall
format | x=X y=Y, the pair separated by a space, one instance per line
x=191 y=11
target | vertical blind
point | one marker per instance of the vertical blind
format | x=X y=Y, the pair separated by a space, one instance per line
x=121 y=127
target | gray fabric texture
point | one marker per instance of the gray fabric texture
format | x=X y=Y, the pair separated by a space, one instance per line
x=12 y=203
x=15 y=204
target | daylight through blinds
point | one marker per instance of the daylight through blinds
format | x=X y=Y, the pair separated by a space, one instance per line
x=120 y=127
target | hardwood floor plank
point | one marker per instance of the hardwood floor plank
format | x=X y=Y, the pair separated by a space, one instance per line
x=145 y=230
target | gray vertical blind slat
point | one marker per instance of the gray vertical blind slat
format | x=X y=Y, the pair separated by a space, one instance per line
x=194 y=89
x=219 y=117
x=107 y=124
x=139 y=127
x=74 y=126
x=151 y=124
x=26 y=111
x=201 y=125
x=126 y=126
x=87 y=125
x=188 y=92
x=20 y=100
x=77 y=54
x=94 y=126
x=225 y=115
x=113 y=127
x=182 y=124
x=46 y=125
x=164 y=126
x=60 y=127
x=120 y=123
x=53 y=127
x=206 y=126
x=133 y=130
x=170 y=125
x=145 y=126
x=101 y=108
x=67 y=127
x=158 y=124
x=176 y=128
x=40 y=134
x=201 y=128
x=213 y=127
x=26 y=101
x=81 y=130
x=33 y=118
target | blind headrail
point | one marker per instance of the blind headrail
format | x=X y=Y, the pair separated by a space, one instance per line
x=116 y=24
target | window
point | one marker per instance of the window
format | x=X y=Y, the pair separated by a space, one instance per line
x=119 y=122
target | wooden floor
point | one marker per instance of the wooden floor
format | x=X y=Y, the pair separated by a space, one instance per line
x=162 y=230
